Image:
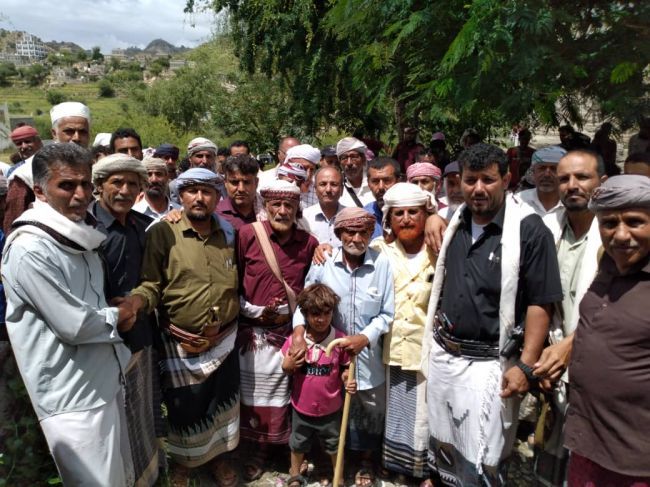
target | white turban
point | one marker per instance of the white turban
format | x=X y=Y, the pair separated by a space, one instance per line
x=548 y=155
x=402 y=195
x=303 y=151
x=102 y=138
x=113 y=163
x=199 y=144
x=348 y=144
x=69 y=109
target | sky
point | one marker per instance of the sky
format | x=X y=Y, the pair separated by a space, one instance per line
x=109 y=24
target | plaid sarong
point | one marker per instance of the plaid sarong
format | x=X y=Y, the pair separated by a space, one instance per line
x=141 y=414
x=201 y=392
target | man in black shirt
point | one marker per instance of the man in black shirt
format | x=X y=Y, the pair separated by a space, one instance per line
x=497 y=269
x=118 y=179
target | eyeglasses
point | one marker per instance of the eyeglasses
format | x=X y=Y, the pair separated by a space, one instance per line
x=355 y=156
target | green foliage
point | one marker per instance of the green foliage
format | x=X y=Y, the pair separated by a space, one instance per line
x=256 y=109
x=158 y=65
x=24 y=455
x=446 y=64
x=35 y=74
x=124 y=73
x=7 y=71
x=54 y=97
x=106 y=89
x=96 y=54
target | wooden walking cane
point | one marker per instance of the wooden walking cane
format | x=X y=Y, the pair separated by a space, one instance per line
x=338 y=469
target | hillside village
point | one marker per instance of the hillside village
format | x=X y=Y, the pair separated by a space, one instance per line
x=31 y=69
x=25 y=58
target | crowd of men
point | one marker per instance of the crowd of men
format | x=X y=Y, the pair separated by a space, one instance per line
x=152 y=299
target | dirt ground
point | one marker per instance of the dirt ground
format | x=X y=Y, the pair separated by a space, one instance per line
x=520 y=472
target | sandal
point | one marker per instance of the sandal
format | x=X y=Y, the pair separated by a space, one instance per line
x=296 y=481
x=306 y=468
x=253 y=469
x=224 y=474
x=365 y=478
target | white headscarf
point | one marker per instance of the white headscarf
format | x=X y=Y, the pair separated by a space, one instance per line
x=348 y=144
x=402 y=195
x=303 y=151
x=69 y=109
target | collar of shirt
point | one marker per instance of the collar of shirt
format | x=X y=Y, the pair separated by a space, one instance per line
x=608 y=266
x=319 y=215
x=225 y=206
x=323 y=343
x=188 y=230
x=368 y=259
x=534 y=200
x=496 y=221
x=144 y=204
x=106 y=219
x=364 y=182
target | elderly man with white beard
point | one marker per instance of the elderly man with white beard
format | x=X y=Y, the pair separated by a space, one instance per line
x=363 y=279
x=406 y=439
x=273 y=259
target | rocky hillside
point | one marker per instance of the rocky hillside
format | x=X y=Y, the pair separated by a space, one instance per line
x=157 y=46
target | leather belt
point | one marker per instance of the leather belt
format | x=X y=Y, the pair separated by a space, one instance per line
x=207 y=338
x=465 y=348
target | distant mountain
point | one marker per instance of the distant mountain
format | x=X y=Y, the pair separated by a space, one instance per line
x=156 y=47
x=64 y=46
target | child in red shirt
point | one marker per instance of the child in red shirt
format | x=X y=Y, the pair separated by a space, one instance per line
x=317 y=379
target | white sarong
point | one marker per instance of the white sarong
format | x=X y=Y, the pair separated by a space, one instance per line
x=466 y=414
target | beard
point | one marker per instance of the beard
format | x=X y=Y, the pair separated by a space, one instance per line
x=410 y=233
x=580 y=204
x=198 y=215
x=547 y=185
x=354 y=249
x=155 y=191
x=198 y=212
x=281 y=225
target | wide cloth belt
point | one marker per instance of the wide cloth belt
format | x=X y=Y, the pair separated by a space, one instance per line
x=465 y=348
x=209 y=336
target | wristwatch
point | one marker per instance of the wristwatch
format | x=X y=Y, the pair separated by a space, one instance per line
x=527 y=370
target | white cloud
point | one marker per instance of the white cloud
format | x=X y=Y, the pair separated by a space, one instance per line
x=108 y=23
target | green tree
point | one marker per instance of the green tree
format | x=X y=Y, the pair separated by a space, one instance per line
x=158 y=65
x=257 y=109
x=446 y=64
x=34 y=74
x=7 y=71
x=106 y=89
x=54 y=97
x=96 y=54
